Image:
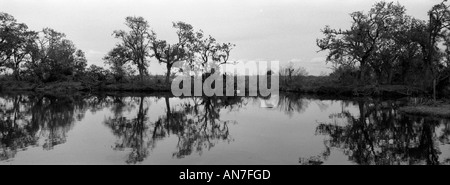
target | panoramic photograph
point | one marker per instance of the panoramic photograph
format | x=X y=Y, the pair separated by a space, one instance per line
x=224 y=82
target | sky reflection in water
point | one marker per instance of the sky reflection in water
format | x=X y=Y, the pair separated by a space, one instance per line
x=158 y=129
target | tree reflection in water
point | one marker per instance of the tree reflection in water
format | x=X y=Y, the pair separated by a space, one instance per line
x=382 y=136
x=36 y=121
x=196 y=123
x=292 y=104
x=45 y=121
x=131 y=133
x=288 y=103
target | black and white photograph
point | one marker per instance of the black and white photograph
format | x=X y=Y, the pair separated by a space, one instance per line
x=224 y=82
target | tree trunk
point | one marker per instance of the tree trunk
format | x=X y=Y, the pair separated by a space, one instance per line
x=434 y=89
x=168 y=113
x=362 y=72
x=169 y=68
x=142 y=69
x=391 y=75
x=16 y=74
x=379 y=76
x=16 y=71
x=141 y=74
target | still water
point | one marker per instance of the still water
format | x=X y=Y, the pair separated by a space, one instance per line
x=159 y=129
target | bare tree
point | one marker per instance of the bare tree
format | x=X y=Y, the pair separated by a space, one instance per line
x=171 y=54
x=211 y=53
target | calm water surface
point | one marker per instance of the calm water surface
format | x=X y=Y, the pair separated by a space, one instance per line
x=159 y=129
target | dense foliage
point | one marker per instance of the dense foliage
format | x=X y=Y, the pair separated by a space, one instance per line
x=386 y=46
x=38 y=56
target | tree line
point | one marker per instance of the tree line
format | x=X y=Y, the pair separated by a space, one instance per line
x=193 y=50
x=47 y=55
x=383 y=46
x=387 y=46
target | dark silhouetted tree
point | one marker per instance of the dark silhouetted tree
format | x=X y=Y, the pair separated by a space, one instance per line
x=136 y=42
x=117 y=58
x=15 y=43
x=359 y=45
x=180 y=51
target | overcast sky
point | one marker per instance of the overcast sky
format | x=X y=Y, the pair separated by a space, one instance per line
x=283 y=30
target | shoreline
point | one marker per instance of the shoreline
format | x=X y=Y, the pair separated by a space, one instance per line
x=330 y=89
x=441 y=110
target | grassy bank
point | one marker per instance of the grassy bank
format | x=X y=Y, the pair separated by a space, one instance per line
x=316 y=86
x=441 y=110
x=73 y=87
x=325 y=85
x=306 y=85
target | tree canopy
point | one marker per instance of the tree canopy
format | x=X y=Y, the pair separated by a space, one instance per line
x=387 y=46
